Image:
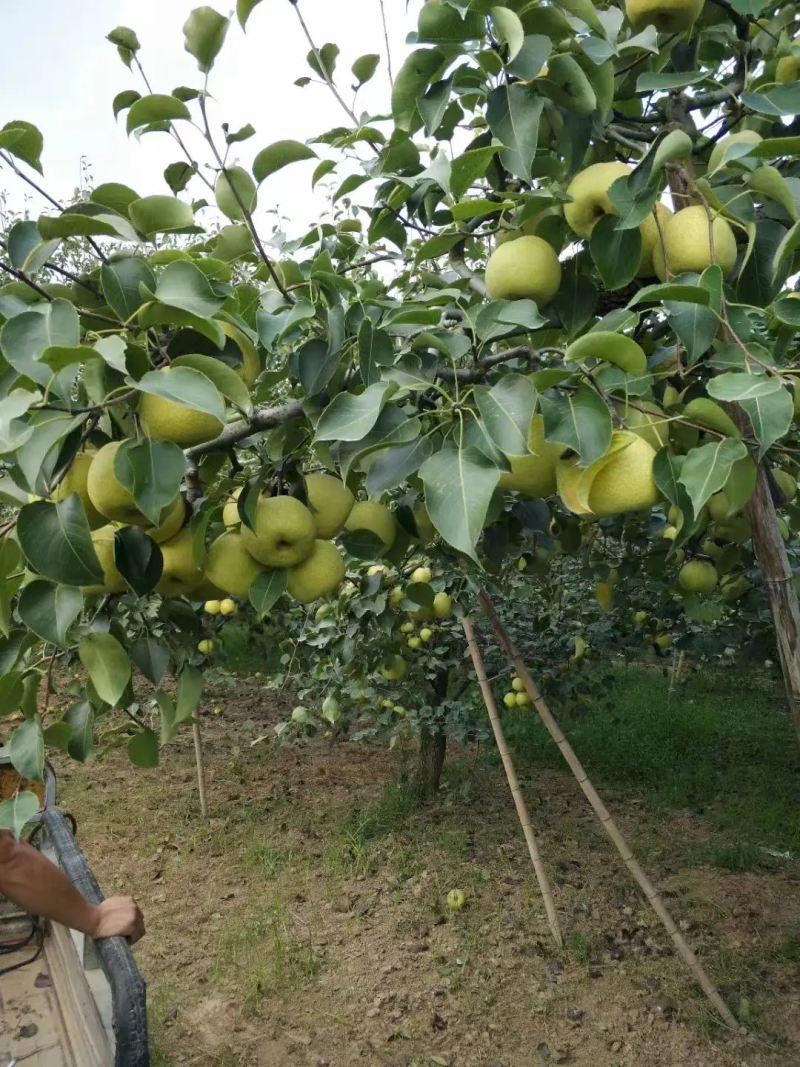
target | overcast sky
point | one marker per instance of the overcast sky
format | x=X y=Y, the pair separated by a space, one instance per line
x=60 y=73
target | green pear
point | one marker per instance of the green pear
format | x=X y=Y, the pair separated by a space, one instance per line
x=370 y=515
x=230 y=566
x=235 y=188
x=619 y=481
x=113 y=582
x=320 y=574
x=788 y=70
x=590 y=199
x=698 y=576
x=284 y=532
x=668 y=16
x=167 y=420
x=330 y=501
x=534 y=475
x=527 y=268
x=108 y=495
x=171 y=523
x=688 y=247
x=75 y=481
x=180 y=575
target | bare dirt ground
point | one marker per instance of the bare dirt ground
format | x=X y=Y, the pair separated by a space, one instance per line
x=305 y=923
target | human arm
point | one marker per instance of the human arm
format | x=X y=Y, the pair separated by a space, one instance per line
x=32 y=882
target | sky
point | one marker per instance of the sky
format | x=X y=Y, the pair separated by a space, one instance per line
x=62 y=75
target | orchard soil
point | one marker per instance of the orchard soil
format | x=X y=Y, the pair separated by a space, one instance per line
x=305 y=923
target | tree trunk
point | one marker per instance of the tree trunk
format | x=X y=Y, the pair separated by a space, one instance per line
x=432 y=745
x=776 y=572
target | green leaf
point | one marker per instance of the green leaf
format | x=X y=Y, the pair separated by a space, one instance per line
x=350 y=417
x=155 y=108
x=267 y=588
x=152 y=472
x=507 y=409
x=107 y=664
x=26 y=749
x=184 y=386
x=706 y=468
x=57 y=735
x=155 y=314
x=204 y=35
x=123 y=100
x=279 y=155
x=123 y=37
x=658 y=292
x=467 y=168
x=115 y=196
x=143 y=749
x=743 y=386
x=244 y=133
x=781 y=100
x=151 y=657
x=580 y=421
x=19 y=810
x=183 y=285
x=770 y=416
x=10 y=564
x=121 y=280
x=12 y=690
x=364 y=68
x=695 y=325
x=532 y=56
x=396 y=464
x=505 y=318
x=178 y=175
x=316 y=365
x=575 y=301
x=434 y=103
x=633 y=205
x=162 y=214
x=709 y=413
x=323 y=60
x=416 y=73
x=770 y=181
x=86 y=220
x=585 y=10
x=80 y=717
x=13 y=431
x=244 y=9
x=23 y=140
x=614 y=348
x=617 y=253
x=325 y=167
x=49 y=610
x=190 y=688
x=56 y=542
x=375 y=350
x=26 y=250
x=459 y=483
x=775 y=148
x=513 y=113
x=227 y=381
x=647 y=83
x=568 y=86
x=508 y=29
x=138 y=559
x=25 y=338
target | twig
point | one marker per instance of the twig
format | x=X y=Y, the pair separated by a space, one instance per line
x=599 y=808
x=201 y=768
x=513 y=782
x=266 y=418
x=386 y=40
x=323 y=69
x=22 y=277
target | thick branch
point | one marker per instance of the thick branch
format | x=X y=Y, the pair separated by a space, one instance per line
x=263 y=418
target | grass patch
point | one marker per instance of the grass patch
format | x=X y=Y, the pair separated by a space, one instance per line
x=722 y=747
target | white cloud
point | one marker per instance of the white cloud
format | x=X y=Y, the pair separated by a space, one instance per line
x=60 y=73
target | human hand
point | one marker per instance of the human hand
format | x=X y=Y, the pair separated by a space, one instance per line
x=118 y=917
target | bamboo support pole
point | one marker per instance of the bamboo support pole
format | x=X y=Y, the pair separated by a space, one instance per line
x=610 y=827
x=513 y=782
x=201 y=769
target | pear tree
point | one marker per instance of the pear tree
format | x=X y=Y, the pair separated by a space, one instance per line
x=551 y=303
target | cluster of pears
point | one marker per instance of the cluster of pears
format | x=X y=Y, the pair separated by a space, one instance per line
x=525 y=266
x=621 y=480
x=287 y=534
x=516 y=697
x=654 y=633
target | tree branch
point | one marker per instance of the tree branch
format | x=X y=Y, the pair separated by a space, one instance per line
x=386 y=40
x=263 y=418
x=22 y=277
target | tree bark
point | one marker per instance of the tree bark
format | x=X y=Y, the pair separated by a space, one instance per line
x=432 y=746
x=776 y=571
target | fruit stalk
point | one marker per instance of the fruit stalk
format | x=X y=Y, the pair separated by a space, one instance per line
x=603 y=814
x=513 y=782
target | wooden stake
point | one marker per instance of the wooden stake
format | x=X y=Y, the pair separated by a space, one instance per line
x=201 y=769
x=610 y=827
x=513 y=782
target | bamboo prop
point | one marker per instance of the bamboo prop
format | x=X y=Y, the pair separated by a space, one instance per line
x=610 y=827
x=513 y=782
x=675 y=673
x=201 y=769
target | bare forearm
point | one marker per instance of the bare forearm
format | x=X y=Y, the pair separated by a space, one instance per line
x=32 y=882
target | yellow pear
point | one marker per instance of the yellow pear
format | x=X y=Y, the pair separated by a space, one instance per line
x=75 y=481
x=394 y=669
x=619 y=481
x=442 y=605
x=171 y=523
x=590 y=199
x=284 y=532
x=370 y=515
x=527 y=268
x=180 y=575
x=251 y=365
x=113 y=582
x=788 y=70
x=668 y=16
x=330 y=501
x=650 y=238
x=534 y=475
x=687 y=244
x=230 y=566
x=652 y=424
x=230 y=512
x=786 y=484
x=167 y=420
x=108 y=495
x=718 y=151
x=698 y=576
x=320 y=574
